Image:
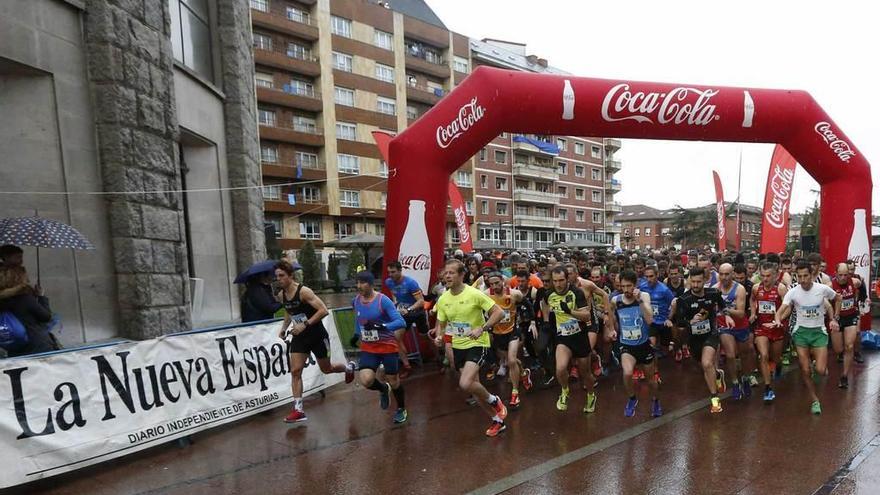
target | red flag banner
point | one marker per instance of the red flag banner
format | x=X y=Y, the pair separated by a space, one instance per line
x=777 y=198
x=719 y=206
x=466 y=242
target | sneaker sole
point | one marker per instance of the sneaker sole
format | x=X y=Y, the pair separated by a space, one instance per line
x=497 y=432
x=295 y=421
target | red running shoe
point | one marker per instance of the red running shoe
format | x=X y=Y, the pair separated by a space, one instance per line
x=499 y=408
x=350 y=367
x=597 y=365
x=657 y=378
x=527 y=379
x=514 y=400
x=686 y=352
x=638 y=375
x=295 y=416
x=574 y=373
x=495 y=429
x=678 y=356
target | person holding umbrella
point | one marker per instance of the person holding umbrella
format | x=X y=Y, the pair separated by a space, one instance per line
x=258 y=303
x=30 y=307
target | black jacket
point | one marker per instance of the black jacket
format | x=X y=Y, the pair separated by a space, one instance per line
x=258 y=303
x=33 y=312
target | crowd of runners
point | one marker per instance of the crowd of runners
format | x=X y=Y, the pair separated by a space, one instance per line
x=570 y=320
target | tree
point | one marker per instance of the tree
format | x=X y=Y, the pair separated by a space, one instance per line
x=694 y=228
x=333 y=272
x=309 y=262
x=355 y=262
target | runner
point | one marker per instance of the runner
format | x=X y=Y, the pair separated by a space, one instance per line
x=697 y=309
x=564 y=309
x=740 y=275
x=304 y=329
x=526 y=319
x=766 y=300
x=376 y=322
x=676 y=283
x=593 y=327
x=807 y=300
x=660 y=298
x=847 y=288
x=460 y=309
x=506 y=335
x=633 y=310
x=736 y=339
x=410 y=303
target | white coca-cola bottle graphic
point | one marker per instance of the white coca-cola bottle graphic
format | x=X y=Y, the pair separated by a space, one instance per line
x=415 y=250
x=567 y=101
x=860 y=246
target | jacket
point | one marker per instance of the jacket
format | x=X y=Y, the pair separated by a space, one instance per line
x=33 y=312
x=258 y=303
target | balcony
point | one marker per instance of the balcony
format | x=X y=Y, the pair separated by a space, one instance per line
x=535 y=171
x=291 y=97
x=612 y=144
x=540 y=222
x=530 y=148
x=612 y=186
x=532 y=196
x=309 y=135
x=614 y=228
x=302 y=27
x=423 y=94
x=310 y=171
x=301 y=63
x=425 y=59
x=612 y=166
x=613 y=206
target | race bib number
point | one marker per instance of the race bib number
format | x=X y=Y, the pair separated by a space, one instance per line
x=810 y=312
x=656 y=309
x=701 y=327
x=766 y=307
x=847 y=304
x=570 y=327
x=631 y=333
x=299 y=318
x=506 y=316
x=402 y=307
x=459 y=329
x=370 y=335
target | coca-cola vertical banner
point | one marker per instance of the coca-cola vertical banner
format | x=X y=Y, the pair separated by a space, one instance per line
x=719 y=207
x=466 y=242
x=777 y=198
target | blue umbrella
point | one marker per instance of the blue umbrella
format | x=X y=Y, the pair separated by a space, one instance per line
x=267 y=266
x=42 y=233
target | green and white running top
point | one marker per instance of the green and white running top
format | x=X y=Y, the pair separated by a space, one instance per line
x=809 y=305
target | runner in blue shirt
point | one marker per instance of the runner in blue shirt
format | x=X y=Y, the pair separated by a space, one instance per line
x=410 y=302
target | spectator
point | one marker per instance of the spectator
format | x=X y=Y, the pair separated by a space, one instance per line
x=258 y=303
x=11 y=255
x=30 y=307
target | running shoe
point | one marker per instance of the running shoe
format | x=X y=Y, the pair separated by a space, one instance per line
x=715 y=405
x=857 y=357
x=526 y=379
x=720 y=382
x=686 y=352
x=753 y=380
x=638 y=375
x=844 y=382
x=630 y=409
x=597 y=365
x=656 y=410
x=471 y=401
x=495 y=429
x=574 y=373
x=590 y=406
x=746 y=387
x=499 y=408
x=816 y=408
x=350 y=368
x=657 y=378
x=786 y=359
x=562 y=401
x=769 y=396
x=737 y=393
x=295 y=416
x=405 y=371
x=549 y=381
x=502 y=370
x=514 y=400
x=400 y=416
x=678 y=356
x=490 y=375
x=384 y=397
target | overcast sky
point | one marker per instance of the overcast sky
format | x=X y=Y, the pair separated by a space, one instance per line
x=831 y=49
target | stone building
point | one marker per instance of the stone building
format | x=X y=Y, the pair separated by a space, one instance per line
x=644 y=227
x=113 y=107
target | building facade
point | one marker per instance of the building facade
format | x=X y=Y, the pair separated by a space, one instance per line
x=123 y=105
x=643 y=227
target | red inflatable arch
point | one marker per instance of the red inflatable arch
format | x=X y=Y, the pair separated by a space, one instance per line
x=491 y=101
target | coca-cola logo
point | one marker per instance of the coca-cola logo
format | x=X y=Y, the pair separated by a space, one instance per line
x=861 y=260
x=780 y=187
x=416 y=262
x=461 y=222
x=678 y=106
x=840 y=147
x=721 y=230
x=468 y=115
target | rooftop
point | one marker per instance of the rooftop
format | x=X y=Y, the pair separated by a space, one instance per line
x=417 y=9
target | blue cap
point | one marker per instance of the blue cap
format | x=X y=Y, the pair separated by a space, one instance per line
x=366 y=277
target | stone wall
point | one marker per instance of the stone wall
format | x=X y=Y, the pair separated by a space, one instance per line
x=130 y=70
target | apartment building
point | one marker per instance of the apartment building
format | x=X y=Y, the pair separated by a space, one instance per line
x=644 y=227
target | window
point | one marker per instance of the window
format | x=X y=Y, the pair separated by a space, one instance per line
x=463 y=178
x=305 y=124
x=484 y=207
x=388 y=106
x=563 y=191
x=298 y=15
x=343 y=230
x=306 y=160
x=579 y=171
x=579 y=148
x=501 y=209
x=501 y=183
x=597 y=218
x=264 y=80
x=380 y=229
x=276 y=225
x=261 y=5
x=351 y=199
x=191 y=36
x=383 y=201
x=310 y=194
x=562 y=144
x=595 y=174
x=383 y=169
x=262 y=42
x=342 y=61
x=271 y=193
x=412 y=113
x=483 y=154
x=469 y=207
x=300 y=87
x=626 y=232
x=637 y=232
x=383 y=40
x=579 y=215
x=384 y=73
x=297 y=51
x=500 y=156
x=460 y=64
x=340 y=26
x=269 y=153
x=579 y=194
x=344 y=96
x=348 y=164
x=597 y=196
x=484 y=181
x=595 y=152
x=309 y=229
x=346 y=130
x=563 y=214
x=521 y=210
x=562 y=168
x=647 y=231
x=266 y=117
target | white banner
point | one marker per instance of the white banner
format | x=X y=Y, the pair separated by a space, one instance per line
x=66 y=411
